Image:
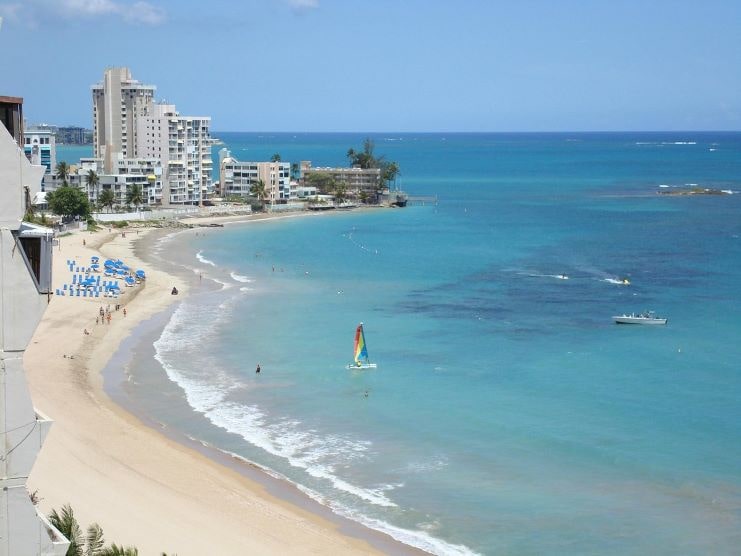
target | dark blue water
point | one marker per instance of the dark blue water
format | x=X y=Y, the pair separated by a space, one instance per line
x=508 y=414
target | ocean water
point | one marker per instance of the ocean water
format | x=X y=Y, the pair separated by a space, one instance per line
x=508 y=414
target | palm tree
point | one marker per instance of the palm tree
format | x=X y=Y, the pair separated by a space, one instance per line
x=107 y=199
x=62 y=171
x=275 y=158
x=115 y=550
x=134 y=196
x=92 y=180
x=66 y=523
x=258 y=190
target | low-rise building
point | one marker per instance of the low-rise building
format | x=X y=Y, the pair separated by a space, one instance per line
x=237 y=177
x=357 y=181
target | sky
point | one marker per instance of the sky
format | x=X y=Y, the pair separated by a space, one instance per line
x=387 y=65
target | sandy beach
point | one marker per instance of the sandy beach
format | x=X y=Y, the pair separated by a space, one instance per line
x=144 y=489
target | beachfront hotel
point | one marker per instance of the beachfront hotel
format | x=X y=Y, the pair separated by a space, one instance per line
x=236 y=177
x=357 y=180
x=25 y=282
x=129 y=125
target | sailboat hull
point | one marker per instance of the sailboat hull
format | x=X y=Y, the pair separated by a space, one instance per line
x=353 y=366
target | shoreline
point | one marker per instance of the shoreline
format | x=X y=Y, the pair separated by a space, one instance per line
x=116 y=469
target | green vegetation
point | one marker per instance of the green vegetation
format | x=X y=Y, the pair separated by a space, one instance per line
x=236 y=199
x=91 y=543
x=367 y=159
x=258 y=190
x=107 y=199
x=62 y=172
x=119 y=224
x=68 y=202
x=134 y=196
x=92 y=179
x=324 y=182
x=275 y=158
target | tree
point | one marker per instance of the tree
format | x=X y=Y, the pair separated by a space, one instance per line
x=295 y=171
x=323 y=181
x=257 y=189
x=66 y=523
x=62 y=171
x=364 y=159
x=115 y=550
x=107 y=199
x=389 y=171
x=275 y=158
x=68 y=202
x=340 y=193
x=92 y=180
x=134 y=196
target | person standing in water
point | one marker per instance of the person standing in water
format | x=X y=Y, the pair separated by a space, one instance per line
x=257 y=370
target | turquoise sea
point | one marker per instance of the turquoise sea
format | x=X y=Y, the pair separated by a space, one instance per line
x=508 y=414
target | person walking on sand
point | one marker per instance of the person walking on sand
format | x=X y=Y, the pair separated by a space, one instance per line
x=257 y=370
x=124 y=311
x=109 y=318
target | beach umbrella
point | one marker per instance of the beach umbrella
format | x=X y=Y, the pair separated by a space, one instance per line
x=140 y=273
x=95 y=266
x=94 y=258
x=124 y=267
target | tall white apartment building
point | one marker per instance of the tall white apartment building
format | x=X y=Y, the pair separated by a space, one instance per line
x=237 y=177
x=118 y=101
x=129 y=125
x=183 y=143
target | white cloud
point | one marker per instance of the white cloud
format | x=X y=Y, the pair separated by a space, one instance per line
x=31 y=12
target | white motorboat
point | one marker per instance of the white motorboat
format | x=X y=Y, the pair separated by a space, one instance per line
x=642 y=318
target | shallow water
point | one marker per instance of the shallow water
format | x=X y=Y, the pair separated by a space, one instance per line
x=508 y=414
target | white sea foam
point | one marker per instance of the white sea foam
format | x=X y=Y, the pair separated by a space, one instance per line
x=315 y=453
x=203 y=259
x=224 y=285
x=616 y=281
x=245 y=289
x=240 y=278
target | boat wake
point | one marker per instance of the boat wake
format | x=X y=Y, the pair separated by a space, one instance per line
x=617 y=281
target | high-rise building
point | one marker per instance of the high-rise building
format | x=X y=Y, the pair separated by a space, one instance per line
x=183 y=144
x=40 y=147
x=118 y=101
x=129 y=124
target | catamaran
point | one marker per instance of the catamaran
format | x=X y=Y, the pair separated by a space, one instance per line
x=361 y=351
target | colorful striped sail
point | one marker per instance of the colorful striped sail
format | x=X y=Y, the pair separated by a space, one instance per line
x=361 y=351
